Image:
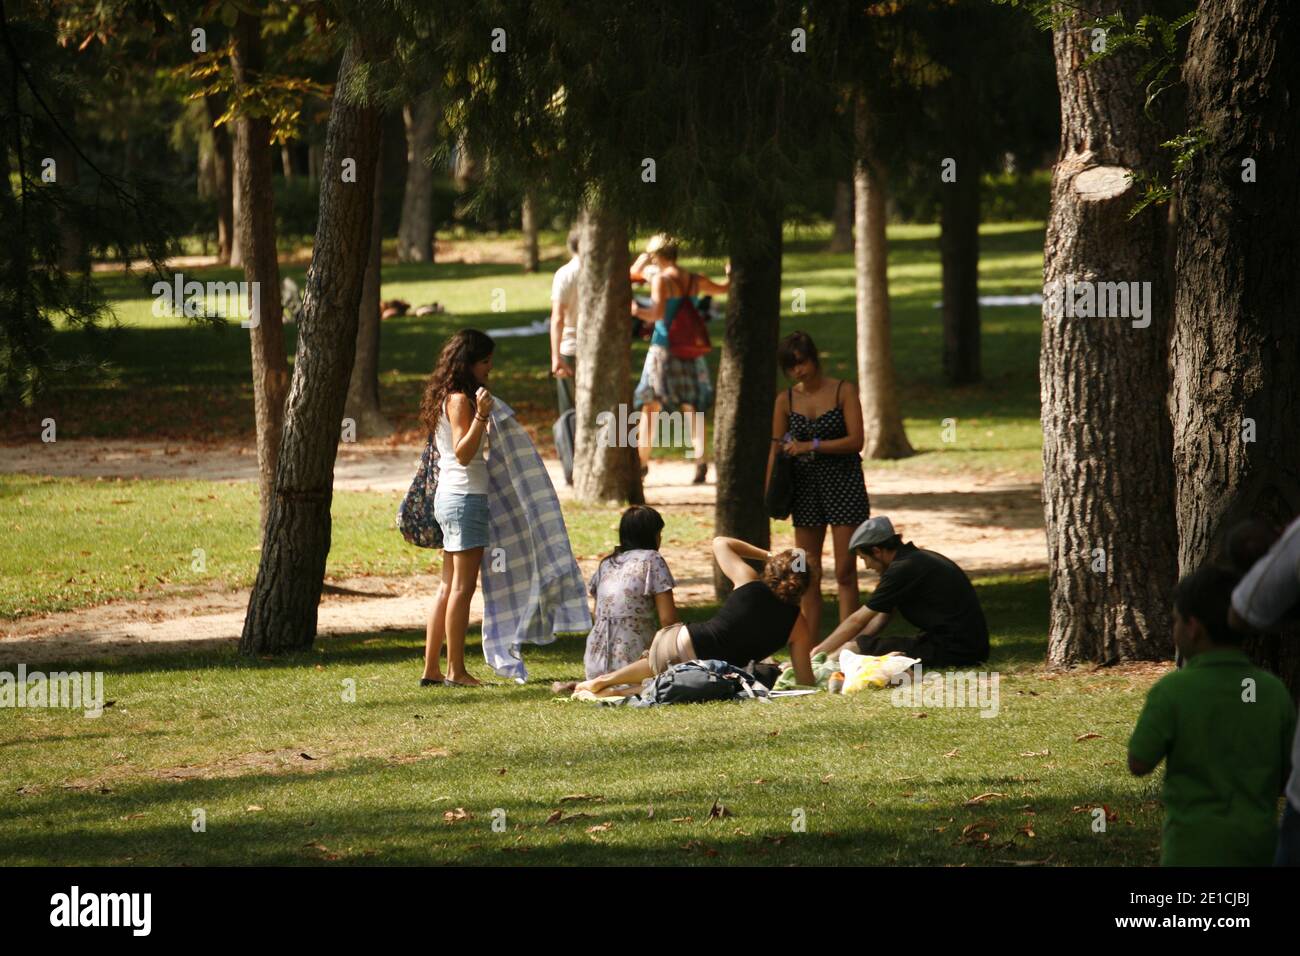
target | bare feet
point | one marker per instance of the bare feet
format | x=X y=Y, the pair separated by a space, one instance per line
x=587 y=685
x=462 y=680
x=435 y=676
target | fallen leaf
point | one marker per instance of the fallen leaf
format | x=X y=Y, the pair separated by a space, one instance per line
x=951 y=753
x=1036 y=753
x=683 y=820
x=718 y=811
x=574 y=797
x=253 y=808
x=981 y=798
x=1027 y=830
x=919 y=716
x=559 y=816
x=1088 y=736
x=455 y=816
x=306 y=756
x=827 y=778
x=601 y=827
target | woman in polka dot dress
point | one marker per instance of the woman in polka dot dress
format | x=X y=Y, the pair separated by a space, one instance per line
x=823 y=421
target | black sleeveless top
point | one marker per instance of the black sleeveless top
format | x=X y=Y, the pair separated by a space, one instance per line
x=751 y=624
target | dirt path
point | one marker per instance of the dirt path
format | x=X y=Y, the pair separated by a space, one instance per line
x=987 y=525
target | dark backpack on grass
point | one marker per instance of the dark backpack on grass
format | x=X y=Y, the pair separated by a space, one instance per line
x=698 y=682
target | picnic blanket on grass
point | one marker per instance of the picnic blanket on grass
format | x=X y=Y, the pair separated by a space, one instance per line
x=533 y=590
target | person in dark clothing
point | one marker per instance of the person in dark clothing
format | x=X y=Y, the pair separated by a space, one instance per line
x=927 y=589
x=759 y=617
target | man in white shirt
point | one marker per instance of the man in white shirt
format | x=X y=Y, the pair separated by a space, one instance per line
x=564 y=326
x=1266 y=599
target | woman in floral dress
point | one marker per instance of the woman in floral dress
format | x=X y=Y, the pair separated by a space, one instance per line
x=633 y=589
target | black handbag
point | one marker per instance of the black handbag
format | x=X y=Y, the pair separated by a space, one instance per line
x=779 y=497
x=780 y=487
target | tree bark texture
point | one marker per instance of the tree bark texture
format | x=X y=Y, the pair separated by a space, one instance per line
x=530 y=225
x=959 y=253
x=1107 y=475
x=281 y=613
x=742 y=417
x=415 y=232
x=256 y=231
x=842 y=218
x=1235 y=403
x=223 y=174
x=884 y=436
x=605 y=464
x=362 y=404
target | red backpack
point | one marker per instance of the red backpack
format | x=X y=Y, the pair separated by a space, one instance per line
x=688 y=337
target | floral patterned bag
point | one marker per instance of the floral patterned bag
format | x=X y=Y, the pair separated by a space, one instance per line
x=415 y=517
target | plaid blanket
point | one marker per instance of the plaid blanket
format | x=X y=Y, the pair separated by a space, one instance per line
x=532 y=588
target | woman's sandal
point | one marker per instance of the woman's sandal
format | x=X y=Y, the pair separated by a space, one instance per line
x=432 y=682
x=455 y=683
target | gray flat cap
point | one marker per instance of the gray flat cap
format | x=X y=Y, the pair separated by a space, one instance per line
x=871 y=532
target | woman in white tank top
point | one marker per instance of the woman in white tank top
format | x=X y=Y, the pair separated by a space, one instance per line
x=455 y=411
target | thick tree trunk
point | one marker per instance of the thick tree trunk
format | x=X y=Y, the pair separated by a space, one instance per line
x=842 y=219
x=223 y=175
x=882 y=423
x=1236 y=344
x=529 y=225
x=1107 y=477
x=362 y=405
x=605 y=464
x=959 y=252
x=415 y=232
x=282 y=607
x=255 y=229
x=742 y=419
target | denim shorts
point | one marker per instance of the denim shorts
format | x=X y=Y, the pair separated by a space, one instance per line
x=463 y=519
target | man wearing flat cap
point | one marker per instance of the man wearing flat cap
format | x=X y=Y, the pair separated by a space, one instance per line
x=927 y=589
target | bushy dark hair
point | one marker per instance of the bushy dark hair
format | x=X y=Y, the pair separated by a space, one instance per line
x=795 y=348
x=782 y=575
x=1206 y=594
x=454 y=372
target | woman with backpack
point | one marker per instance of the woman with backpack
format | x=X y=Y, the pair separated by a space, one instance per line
x=455 y=411
x=760 y=616
x=676 y=375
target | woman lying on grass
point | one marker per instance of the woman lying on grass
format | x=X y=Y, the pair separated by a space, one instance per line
x=758 y=617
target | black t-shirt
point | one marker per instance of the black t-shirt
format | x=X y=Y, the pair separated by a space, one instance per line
x=934 y=595
x=751 y=624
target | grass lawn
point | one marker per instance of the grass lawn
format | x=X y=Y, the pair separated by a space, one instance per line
x=876 y=784
x=76 y=542
x=172 y=380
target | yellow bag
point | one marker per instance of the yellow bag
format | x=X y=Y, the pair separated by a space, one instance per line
x=870 y=670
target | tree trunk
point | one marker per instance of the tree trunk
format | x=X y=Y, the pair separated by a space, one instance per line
x=1236 y=343
x=842 y=218
x=315 y=157
x=882 y=424
x=255 y=229
x=605 y=464
x=742 y=419
x=74 y=257
x=362 y=405
x=282 y=607
x=959 y=251
x=1107 y=477
x=223 y=175
x=286 y=161
x=528 y=221
x=415 y=233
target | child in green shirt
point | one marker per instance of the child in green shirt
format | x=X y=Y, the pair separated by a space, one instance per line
x=1224 y=728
